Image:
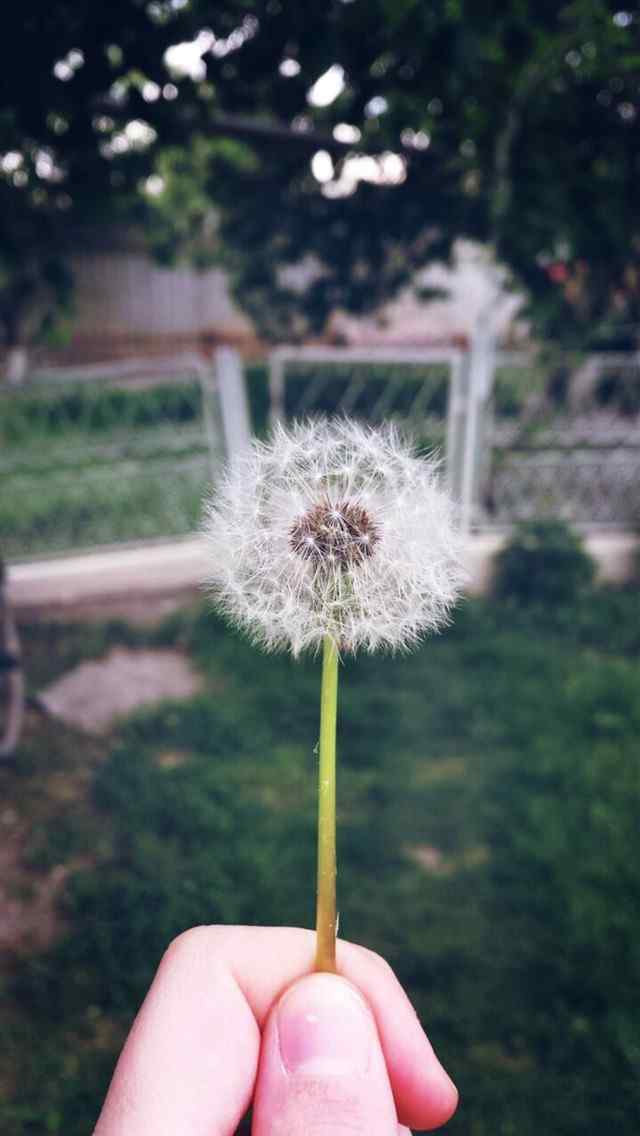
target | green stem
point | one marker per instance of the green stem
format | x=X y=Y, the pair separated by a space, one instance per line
x=326 y=922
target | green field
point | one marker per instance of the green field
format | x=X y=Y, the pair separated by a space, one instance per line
x=489 y=847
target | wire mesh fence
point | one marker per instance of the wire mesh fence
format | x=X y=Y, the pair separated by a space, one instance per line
x=563 y=441
x=420 y=390
x=523 y=435
x=408 y=387
x=125 y=452
x=101 y=458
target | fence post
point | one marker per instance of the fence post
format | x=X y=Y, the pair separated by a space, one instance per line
x=10 y=661
x=211 y=415
x=16 y=365
x=481 y=368
x=234 y=404
x=456 y=424
x=276 y=387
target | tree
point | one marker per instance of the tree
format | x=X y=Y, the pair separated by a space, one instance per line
x=75 y=142
x=513 y=124
x=360 y=139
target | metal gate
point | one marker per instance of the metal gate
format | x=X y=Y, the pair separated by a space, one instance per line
x=522 y=437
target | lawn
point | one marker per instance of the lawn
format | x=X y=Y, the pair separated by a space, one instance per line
x=489 y=847
x=86 y=464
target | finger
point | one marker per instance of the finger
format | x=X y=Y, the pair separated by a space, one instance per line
x=321 y=1065
x=425 y=1095
x=266 y=960
x=190 y=1061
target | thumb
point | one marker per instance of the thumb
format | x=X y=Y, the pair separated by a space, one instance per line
x=321 y=1066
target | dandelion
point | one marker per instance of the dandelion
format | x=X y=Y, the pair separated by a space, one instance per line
x=337 y=536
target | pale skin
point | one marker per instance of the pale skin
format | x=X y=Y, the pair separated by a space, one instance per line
x=236 y=1017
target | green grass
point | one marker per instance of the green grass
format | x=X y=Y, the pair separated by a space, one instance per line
x=136 y=500
x=85 y=464
x=509 y=744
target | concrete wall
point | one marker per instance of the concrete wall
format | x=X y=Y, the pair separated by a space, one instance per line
x=126 y=293
x=125 y=303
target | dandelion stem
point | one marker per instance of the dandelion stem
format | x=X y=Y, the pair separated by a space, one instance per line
x=326 y=903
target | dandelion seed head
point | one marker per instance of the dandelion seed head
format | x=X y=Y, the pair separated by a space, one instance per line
x=328 y=533
x=333 y=529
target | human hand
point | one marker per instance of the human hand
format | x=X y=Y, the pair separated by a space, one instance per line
x=234 y=1016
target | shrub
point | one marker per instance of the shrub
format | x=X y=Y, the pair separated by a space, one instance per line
x=543 y=563
x=44 y=412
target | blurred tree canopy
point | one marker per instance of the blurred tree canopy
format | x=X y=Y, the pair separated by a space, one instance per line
x=359 y=139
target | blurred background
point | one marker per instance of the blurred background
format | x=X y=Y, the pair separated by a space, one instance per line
x=215 y=216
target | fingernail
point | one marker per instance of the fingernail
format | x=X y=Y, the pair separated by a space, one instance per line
x=324 y=1027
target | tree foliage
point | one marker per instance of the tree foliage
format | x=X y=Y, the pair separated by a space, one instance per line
x=514 y=124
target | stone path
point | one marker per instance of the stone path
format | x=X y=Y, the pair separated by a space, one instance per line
x=94 y=695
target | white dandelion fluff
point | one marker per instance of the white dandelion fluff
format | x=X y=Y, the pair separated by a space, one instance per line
x=333 y=530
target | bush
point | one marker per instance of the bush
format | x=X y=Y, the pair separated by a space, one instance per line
x=543 y=563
